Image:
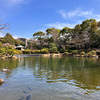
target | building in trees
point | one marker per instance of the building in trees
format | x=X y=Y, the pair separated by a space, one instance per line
x=24 y=40
x=20 y=47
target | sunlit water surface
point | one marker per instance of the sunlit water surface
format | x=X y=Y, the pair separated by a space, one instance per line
x=38 y=78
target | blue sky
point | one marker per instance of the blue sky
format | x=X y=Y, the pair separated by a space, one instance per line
x=29 y=16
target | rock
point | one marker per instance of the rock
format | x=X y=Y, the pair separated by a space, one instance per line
x=3 y=58
x=1 y=81
x=15 y=57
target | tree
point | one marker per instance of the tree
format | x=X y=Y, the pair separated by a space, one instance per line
x=2 y=51
x=85 y=35
x=65 y=37
x=88 y=32
x=9 y=39
x=40 y=36
x=54 y=33
x=32 y=44
x=1 y=45
x=53 y=48
x=65 y=31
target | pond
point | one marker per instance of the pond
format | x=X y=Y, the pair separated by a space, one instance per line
x=38 y=78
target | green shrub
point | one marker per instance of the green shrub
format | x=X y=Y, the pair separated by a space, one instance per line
x=10 y=47
x=15 y=52
x=33 y=52
x=2 y=51
x=44 y=51
x=38 y=51
x=12 y=52
x=62 y=50
x=93 y=52
x=56 y=51
x=53 y=50
x=74 y=51
x=82 y=53
x=19 y=52
x=69 y=50
x=52 y=45
x=27 y=51
x=66 y=53
x=89 y=54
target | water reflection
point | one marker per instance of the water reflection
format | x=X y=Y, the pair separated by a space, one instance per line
x=10 y=64
x=60 y=73
x=83 y=71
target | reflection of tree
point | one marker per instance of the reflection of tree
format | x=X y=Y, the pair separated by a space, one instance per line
x=87 y=79
x=84 y=71
x=10 y=64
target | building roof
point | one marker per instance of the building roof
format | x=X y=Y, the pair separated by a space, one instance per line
x=20 y=46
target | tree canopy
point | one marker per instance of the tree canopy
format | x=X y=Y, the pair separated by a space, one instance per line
x=84 y=35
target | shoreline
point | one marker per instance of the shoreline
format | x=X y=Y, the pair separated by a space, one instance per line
x=56 y=55
x=47 y=55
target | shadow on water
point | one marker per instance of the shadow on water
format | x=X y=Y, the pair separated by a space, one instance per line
x=26 y=95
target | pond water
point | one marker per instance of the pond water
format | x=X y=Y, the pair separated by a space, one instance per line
x=38 y=78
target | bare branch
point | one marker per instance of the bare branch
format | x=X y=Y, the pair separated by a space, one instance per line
x=3 y=26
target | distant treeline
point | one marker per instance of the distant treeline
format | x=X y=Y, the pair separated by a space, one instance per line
x=82 y=36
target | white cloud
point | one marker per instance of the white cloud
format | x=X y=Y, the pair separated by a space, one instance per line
x=78 y=13
x=2 y=34
x=58 y=25
x=16 y=36
x=63 y=13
